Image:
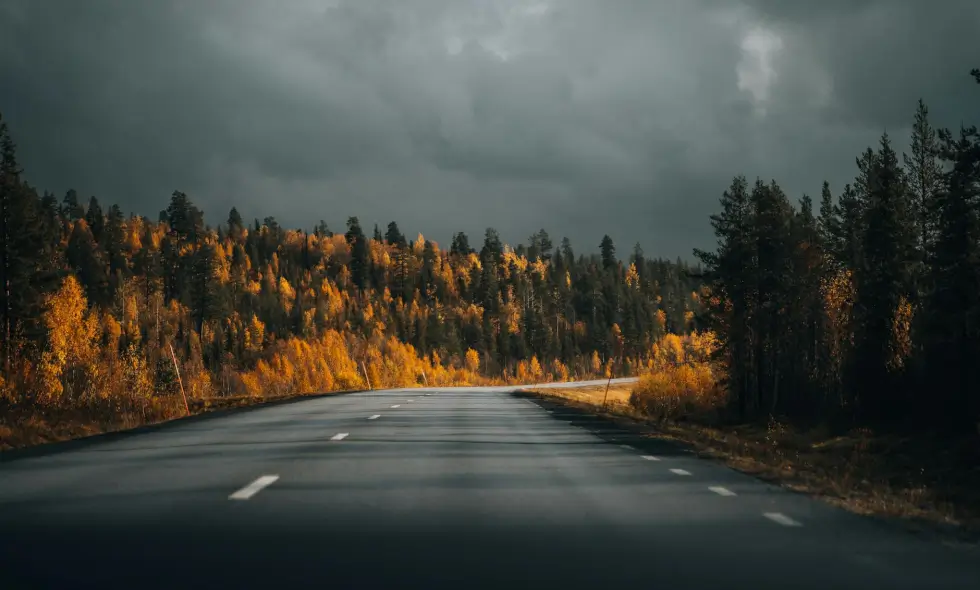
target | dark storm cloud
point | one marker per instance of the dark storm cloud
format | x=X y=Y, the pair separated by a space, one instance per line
x=584 y=117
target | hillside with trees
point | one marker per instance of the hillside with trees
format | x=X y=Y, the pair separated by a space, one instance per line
x=109 y=315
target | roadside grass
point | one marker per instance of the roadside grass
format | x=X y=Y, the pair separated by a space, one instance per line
x=930 y=484
x=592 y=395
x=24 y=427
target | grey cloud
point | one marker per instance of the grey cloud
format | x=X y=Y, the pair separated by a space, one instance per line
x=622 y=116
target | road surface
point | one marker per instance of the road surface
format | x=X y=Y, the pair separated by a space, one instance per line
x=438 y=488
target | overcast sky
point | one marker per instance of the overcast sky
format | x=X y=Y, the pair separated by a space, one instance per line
x=585 y=117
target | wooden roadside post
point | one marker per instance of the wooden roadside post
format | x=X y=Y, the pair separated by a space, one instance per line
x=608 y=383
x=180 y=382
x=366 y=378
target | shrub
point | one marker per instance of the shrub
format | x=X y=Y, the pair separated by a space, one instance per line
x=681 y=380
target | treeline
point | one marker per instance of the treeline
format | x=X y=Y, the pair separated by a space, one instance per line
x=88 y=291
x=867 y=309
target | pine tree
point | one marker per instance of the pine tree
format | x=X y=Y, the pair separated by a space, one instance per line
x=95 y=218
x=359 y=252
x=774 y=246
x=185 y=220
x=952 y=308
x=850 y=228
x=70 y=208
x=924 y=174
x=806 y=311
x=52 y=228
x=86 y=259
x=236 y=227
x=544 y=244
x=322 y=230
x=639 y=260
x=885 y=277
x=115 y=242
x=207 y=300
x=20 y=246
x=608 y=250
x=394 y=236
x=567 y=254
x=829 y=227
x=729 y=275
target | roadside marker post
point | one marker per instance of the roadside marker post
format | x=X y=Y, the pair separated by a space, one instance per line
x=187 y=406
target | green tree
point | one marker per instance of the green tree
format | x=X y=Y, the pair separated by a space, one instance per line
x=207 y=297
x=95 y=218
x=925 y=176
x=70 y=207
x=773 y=216
x=394 y=236
x=952 y=307
x=86 y=259
x=493 y=249
x=236 y=227
x=359 y=252
x=884 y=279
x=20 y=245
x=115 y=242
x=184 y=219
x=608 y=250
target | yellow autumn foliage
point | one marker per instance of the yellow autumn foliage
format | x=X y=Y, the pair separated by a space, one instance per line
x=472 y=360
x=681 y=379
x=254 y=335
x=73 y=343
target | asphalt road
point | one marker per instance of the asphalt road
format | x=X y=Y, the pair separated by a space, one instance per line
x=442 y=488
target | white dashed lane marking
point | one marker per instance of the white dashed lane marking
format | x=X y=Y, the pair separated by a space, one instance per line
x=722 y=491
x=651 y=458
x=254 y=487
x=340 y=436
x=780 y=518
x=374 y=417
x=396 y=406
x=680 y=472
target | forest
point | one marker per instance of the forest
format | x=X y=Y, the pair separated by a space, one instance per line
x=113 y=315
x=860 y=308
x=863 y=308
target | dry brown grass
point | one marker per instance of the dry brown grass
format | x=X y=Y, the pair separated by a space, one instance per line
x=24 y=428
x=929 y=483
x=619 y=395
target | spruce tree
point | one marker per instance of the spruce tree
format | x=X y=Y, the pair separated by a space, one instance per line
x=359 y=253
x=86 y=259
x=394 y=236
x=729 y=274
x=236 y=227
x=884 y=279
x=95 y=218
x=207 y=300
x=115 y=242
x=608 y=253
x=20 y=248
x=925 y=176
x=952 y=306
x=70 y=207
x=772 y=220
